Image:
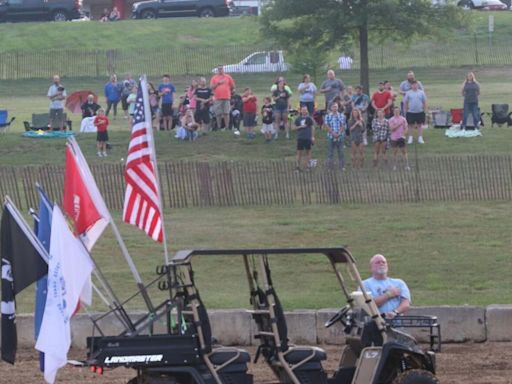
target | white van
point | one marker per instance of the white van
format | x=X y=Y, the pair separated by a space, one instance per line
x=267 y=61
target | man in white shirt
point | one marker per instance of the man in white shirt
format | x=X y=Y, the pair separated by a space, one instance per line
x=57 y=95
x=345 y=62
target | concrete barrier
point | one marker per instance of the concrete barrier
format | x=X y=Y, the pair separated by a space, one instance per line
x=458 y=324
x=498 y=322
x=236 y=327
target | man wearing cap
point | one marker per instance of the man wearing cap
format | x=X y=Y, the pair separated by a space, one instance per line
x=382 y=99
x=392 y=296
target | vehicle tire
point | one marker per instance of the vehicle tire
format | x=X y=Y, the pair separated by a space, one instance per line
x=206 y=12
x=59 y=15
x=416 y=376
x=148 y=14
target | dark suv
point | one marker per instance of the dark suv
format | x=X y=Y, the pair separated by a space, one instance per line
x=152 y=9
x=32 y=10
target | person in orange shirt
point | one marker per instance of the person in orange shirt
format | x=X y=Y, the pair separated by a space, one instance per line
x=101 y=123
x=222 y=85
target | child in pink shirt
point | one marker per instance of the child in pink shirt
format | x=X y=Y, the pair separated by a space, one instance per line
x=399 y=128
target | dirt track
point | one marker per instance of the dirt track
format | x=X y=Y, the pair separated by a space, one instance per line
x=488 y=363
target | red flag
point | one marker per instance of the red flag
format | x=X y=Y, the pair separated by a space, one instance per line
x=88 y=218
x=141 y=201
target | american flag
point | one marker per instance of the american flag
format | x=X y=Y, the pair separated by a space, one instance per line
x=141 y=200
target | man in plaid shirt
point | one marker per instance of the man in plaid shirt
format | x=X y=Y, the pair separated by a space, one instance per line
x=336 y=125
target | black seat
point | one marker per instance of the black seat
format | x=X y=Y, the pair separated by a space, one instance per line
x=297 y=354
x=223 y=354
x=500 y=114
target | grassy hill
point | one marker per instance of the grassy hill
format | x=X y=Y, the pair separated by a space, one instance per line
x=126 y=34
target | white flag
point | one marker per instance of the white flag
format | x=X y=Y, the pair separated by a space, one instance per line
x=69 y=271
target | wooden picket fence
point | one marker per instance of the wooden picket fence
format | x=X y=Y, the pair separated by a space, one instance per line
x=275 y=183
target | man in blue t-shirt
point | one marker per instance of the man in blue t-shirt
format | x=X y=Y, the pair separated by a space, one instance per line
x=392 y=296
x=166 y=90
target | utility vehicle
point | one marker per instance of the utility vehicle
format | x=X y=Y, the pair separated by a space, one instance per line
x=375 y=351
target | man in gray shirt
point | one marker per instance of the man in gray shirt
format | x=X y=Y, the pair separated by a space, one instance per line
x=57 y=95
x=331 y=88
x=415 y=105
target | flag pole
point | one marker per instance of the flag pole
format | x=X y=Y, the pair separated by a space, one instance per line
x=149 y=125
x=11 y=207
x=124 y=250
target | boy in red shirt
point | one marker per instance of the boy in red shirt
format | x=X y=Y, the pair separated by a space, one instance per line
x=101 y=123
x=250 y=108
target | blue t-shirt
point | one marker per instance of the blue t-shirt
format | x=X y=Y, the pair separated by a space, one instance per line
x=167 y=97
x=380 y=287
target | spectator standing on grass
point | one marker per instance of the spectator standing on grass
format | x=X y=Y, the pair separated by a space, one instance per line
x=203 y=97
x=131 y=100
x=357 y=128
x=380 y=128
x=389 y=88
x=392 y=296
x=267 y=127
x=470 y=92
x=398 y=127
x=382 y=99
x=331 y=87
x=191 y=95
x=276 y=83
x=348 y=104
x=154 y=102
x=222 y=86
x=128 y=84
x=281 y=98
x=57 y=95
x=307 y=91
x=236 y=113
x=361 y=101
x=345 y=62
x=250 y=108
x=305 y=138
x=415 y=106
x=101 y=123
x=166 y=90
x=113 y=91
x=89 y=108
x=406 y=85
x=336 y=124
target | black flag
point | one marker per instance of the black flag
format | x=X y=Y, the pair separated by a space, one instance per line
x=22 y=265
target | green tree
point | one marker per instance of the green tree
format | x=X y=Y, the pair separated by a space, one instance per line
x=330 y=24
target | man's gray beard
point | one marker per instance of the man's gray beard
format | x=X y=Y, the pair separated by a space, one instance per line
x=382 y=270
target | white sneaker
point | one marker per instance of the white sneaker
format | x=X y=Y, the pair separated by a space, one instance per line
x=365 y=141
x=407 y=168
x=410 y=140
x=287 y=135
x=105 y=154
x=420 y=140
x=100 y=154
x=394 y=168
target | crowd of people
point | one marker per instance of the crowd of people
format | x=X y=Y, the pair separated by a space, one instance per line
x=346 y=114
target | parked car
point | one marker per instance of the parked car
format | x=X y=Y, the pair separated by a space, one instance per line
x=152 y=9
x=489 y=5
x=40 y=10
x=267 y=61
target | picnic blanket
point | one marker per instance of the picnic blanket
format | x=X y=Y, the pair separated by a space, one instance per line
x=40 y=134
x=456 y=131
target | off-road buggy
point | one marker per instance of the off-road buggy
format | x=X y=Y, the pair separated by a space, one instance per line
x=374 y=351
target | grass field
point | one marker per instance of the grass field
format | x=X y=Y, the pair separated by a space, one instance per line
x=448 y=253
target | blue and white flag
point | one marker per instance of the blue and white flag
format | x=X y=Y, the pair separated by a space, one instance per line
x=43 y=230
x=69 y=274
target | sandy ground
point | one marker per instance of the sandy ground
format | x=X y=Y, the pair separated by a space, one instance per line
x=486 y=363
